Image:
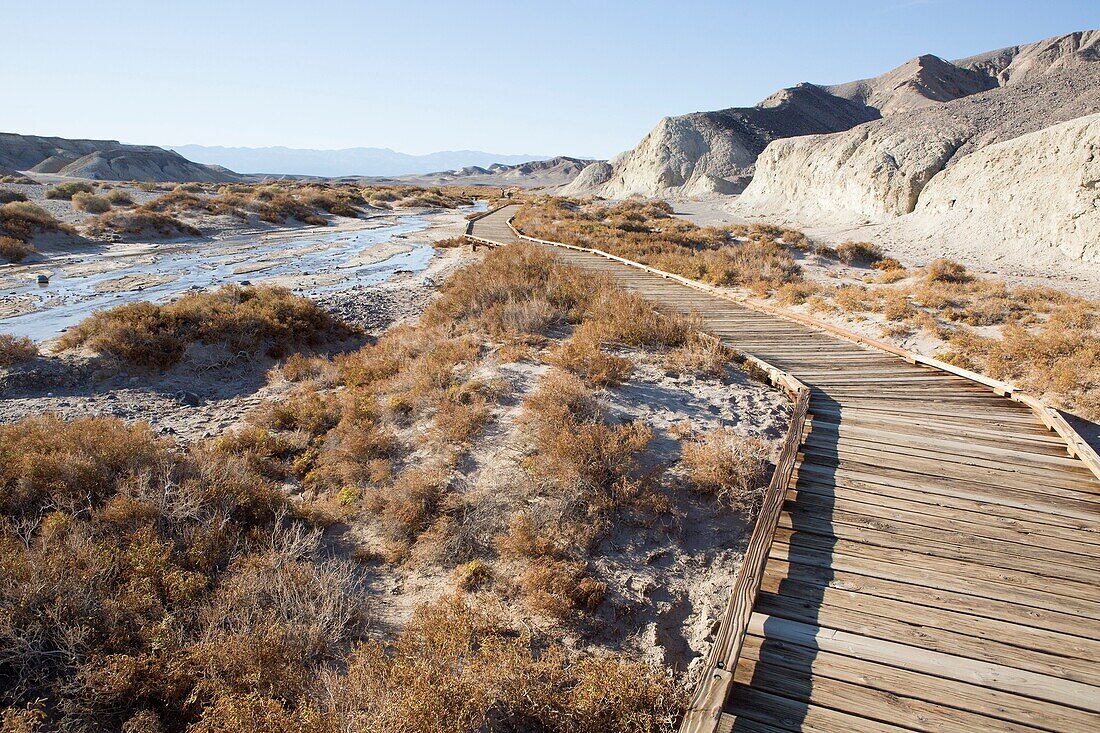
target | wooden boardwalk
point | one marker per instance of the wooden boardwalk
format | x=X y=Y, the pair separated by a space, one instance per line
x=934 y=565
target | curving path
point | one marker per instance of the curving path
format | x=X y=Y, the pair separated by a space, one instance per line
x=934 y=566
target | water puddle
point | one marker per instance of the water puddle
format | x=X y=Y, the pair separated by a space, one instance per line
x=314 y=263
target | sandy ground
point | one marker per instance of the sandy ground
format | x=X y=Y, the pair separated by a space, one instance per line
x=668 y=579
x=910 y=245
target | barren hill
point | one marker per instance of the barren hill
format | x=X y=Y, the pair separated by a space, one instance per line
x=103 y=160
x=880 y=168
x=717 y=151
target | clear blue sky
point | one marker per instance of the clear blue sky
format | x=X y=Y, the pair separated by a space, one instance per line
x=586 y=77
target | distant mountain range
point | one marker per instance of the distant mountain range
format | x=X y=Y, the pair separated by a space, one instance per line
x=345 y=162
x=531 y=174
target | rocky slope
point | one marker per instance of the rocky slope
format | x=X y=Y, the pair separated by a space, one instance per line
x=1034 y=196
x=880 y=169
x=717 y=151
x=102 y=160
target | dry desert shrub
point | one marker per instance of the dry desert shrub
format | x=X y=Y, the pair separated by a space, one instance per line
x=729 y=466
x=583 y=356
x=242 y=319
x=946 y=271
x=755 y=257
x=456 y=667
x=143 y=578
x=701 y=354
x=118 y=197
x=15 y=250
x=859 y=253
x=22 y=220
x=14 y=349
x=797 y=293
x=66 y=190
x=451 y=242
x=91 y=203
x=139 y=222
x=7 y=196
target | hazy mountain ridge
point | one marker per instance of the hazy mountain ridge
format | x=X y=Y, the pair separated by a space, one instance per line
x=557 y=171
x=346 y=162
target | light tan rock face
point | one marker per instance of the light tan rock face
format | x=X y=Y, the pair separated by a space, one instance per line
x=708 y=152
x=592 y=176
x=1018 y=63
x=878 y=170
x=1022 y=197
x=714 y=152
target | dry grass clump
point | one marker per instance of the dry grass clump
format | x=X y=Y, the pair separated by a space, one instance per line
x=22 y=220
x=146 y=585
x=140 y=222
x=240 y=319
x=592 y=461
x=946 y=271
x=91 y=203
x=1059 y=359
x=700 y=354
x=859 y=253
x=583 y=356
x=14 y=349
x=521 y=291
x=118 y=197
x=729 y=466
x=149 y=588
x=451 y=243
x=15 y=250
x=457 y=667
x=752 y=257
x=7 y=196
x=65 y=191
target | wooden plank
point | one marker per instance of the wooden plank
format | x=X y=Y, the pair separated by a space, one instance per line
x=1076 y=512
x=936 y=543
x=1052 y=482
x=949 y=666
x=996 y=706
x=969 y=518
x=945 y=575
x=980 y=606
x=855 y=615
x=703 y=714
x=755 y=704
x=1054 y=648
x=900 y=709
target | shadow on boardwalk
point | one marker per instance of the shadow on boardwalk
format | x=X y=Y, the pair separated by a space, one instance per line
x=783 y=666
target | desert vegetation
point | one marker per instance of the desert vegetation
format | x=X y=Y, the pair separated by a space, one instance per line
x=15 y=250
x=178 y=210
x=237 y=319
x=14 y=349
x=90 y=203
x=645 y=231
x=151 y=586
x=66 y=190
x=23 y=220
x=1043 y=340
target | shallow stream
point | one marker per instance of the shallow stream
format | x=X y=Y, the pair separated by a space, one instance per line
x=315 y=262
